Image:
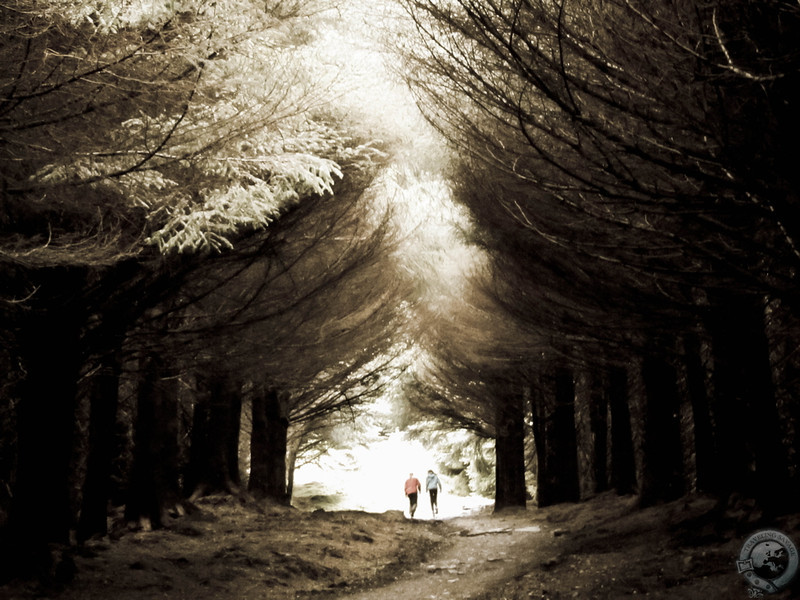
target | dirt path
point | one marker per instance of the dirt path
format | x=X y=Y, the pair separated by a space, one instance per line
x=603 y=549
x=480 y=555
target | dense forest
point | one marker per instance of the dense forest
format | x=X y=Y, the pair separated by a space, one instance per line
x=203 y=269
x=628 y=168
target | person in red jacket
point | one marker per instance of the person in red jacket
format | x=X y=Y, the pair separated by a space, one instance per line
x=412 y=488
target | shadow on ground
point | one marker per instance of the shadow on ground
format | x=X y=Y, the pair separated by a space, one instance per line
x=603 y=548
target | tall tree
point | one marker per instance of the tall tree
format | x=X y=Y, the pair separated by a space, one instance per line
x=50 y=352
x=623 y=473
x=213 y=465
x=510 y=450
x=103 y=397
x=268 y=446
x=154 y=491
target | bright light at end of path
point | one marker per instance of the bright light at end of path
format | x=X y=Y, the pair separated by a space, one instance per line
x=371 y=479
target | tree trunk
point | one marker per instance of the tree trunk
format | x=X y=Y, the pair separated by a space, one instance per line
x=510 y=452
x=293 y=447
x=199 y=446
x=751 y=458
x=598 y=421
x=622 y=464
x=555 y=438
x=153 y=490
x=587 y=454
x=564 y=433
x=591 y=424
x=40 y=511
x=782 y=326
x=268 y=443
x=697 y=390
x=214 y=453
x=104 y=396
x=662 y=470
x=234 y=413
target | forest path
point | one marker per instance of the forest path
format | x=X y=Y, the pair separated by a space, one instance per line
x=482 y=553
x=603 y=548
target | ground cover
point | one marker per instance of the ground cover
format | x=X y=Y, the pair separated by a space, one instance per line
x=601 y=549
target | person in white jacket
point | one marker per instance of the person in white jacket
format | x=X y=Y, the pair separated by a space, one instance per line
x=434 y=486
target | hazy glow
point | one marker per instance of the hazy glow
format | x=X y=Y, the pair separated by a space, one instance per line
x=348 y=51
x=349 y=48
x=371 y=479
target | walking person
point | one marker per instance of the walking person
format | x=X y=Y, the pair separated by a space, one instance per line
x=434 y=486
x=412 y=488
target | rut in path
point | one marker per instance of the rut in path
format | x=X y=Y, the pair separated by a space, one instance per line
x=482 y=553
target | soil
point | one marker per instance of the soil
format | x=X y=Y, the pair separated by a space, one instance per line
x=605 y=548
